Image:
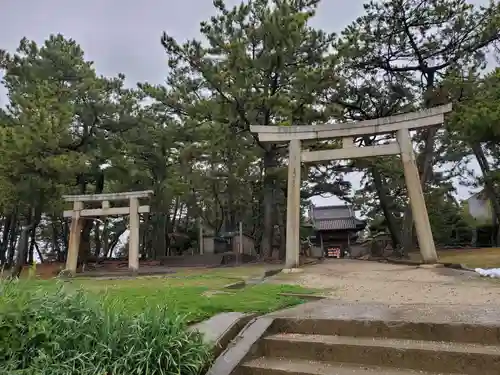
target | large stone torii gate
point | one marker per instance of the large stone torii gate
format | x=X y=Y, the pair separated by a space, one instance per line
x=399 y=124
x=79 y=213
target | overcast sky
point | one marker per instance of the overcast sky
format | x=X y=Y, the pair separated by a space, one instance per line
x=122 y=36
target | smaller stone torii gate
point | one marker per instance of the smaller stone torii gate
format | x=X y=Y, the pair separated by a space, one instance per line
x=398 y=124
x=79 y=213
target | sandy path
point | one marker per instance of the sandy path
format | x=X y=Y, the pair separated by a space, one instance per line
x=361 y=281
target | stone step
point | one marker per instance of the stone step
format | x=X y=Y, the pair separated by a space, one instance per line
x=286 y=366
x=432 y=356
x=425 y=331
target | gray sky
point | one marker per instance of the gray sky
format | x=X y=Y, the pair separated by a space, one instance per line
x=122 y=36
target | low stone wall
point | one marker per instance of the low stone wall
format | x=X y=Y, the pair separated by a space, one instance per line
x=207 y=260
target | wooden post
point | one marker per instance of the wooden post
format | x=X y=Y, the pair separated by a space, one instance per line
x=200 y=229
x=321 y=245
x=417 y=201
x=74 y=239
x=239 y=257
x=293 y=206
x=241 y=238
x=133 y=239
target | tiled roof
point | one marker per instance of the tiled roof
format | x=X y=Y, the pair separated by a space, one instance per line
x=335 y=218
x=339 y=224
x=331 y=212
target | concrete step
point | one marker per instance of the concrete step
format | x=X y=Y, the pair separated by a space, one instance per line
x=432 y=356
x=428 y=331
x=286 y=366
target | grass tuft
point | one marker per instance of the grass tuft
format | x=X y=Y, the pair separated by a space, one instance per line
x=50 y=331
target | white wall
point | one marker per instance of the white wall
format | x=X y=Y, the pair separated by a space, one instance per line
x=479 y=209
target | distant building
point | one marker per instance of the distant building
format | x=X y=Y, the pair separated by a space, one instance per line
x=483 y=220
x=334 y=227
x=479 y=207
x=228 y=242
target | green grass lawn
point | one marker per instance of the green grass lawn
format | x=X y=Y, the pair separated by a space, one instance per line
x=197 y=297
x=473 y=258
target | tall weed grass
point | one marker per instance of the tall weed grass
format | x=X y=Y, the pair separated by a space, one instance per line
x=56 y=332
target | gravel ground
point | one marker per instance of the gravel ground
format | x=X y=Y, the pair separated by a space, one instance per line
x=363 y=281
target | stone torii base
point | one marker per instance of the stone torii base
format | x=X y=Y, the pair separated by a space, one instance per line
x=79 y=213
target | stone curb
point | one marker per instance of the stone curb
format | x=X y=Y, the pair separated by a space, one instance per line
x=241 y=348
x=236 y=285
x=222 y=328
x=292 y=270
x=431 y=266
x=309 y=297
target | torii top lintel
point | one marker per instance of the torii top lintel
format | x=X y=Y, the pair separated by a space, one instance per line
x=412 y=120
x=108 y=196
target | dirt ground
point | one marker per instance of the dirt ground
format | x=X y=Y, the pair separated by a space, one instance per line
x=363 y=281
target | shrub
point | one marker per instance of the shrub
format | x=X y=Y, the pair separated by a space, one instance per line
x=54 y=332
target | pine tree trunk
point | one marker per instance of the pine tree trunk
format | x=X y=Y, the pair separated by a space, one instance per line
x=5 y=238
x=282 y=228
x=11 y=244
x=97 y=240
x=489 y=188
x=36 y=221
x=385 y=205
x=266 y=246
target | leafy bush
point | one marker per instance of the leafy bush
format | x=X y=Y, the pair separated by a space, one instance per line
x=53 y=332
